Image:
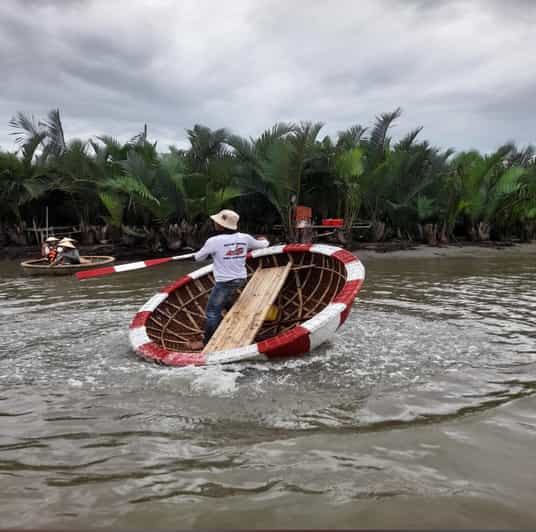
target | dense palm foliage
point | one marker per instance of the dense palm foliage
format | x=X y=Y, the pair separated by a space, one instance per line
x=408 y=189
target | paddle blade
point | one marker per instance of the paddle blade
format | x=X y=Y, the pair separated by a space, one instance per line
x=96 y=272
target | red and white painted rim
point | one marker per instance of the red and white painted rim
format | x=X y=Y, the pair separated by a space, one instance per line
x=299 y=340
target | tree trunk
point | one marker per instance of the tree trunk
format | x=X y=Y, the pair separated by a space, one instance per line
x=3 y=235
x=194 y=236
x=472 y=233
x=290 y=229
x=430 y=234
x=153 y=240
x=102 y=233
x=87 y=235
x=172 y=235
x=130 y=236
x=483 y=231
x=420 y=232
x=114 y=233
x=17 y=235
x=378 y=231
x=343 y=237
x=444 y=236
x=528 y=231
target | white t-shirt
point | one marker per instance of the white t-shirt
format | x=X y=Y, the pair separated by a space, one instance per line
x=229 y=254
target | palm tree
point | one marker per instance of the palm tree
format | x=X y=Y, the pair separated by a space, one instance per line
x=302 y=140
x=351 y=137
x=127 y=191
x=409 y=187
x=18 y=187
x=514 y=203
x=320 y=185
x=47 y=135
x=374 y=179
x=266 y=167
x=349 y=168
x=207 y=182
x=205 y=145
x=412 y=181
x=480 y=181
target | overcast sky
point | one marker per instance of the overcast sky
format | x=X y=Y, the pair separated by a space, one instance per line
x=463 y=69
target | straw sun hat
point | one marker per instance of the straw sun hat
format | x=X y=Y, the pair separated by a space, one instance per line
x=66 y=244
x=52 y=239
x=226 y=218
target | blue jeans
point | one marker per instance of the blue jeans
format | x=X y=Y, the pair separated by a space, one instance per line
x=221 y=298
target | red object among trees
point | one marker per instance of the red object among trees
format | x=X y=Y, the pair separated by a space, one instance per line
x=333 y=222
x=302 y=213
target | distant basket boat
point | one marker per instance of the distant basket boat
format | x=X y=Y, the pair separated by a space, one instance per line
x=312 y=302
x=41 y=266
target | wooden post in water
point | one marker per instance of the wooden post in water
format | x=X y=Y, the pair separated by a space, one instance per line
x=37 y=239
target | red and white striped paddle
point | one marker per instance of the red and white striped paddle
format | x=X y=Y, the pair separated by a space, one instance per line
x=97 y=272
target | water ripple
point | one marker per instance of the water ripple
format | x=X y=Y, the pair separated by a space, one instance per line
x=88 y=427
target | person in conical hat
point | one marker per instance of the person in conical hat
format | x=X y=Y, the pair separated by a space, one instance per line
x=67 y=253
x=64 y=242
x=228 y=250
x=49 y=244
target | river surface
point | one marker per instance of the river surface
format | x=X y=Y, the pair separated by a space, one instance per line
x=420 y=413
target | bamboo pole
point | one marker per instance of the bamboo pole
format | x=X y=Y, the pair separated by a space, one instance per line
x=37 y=239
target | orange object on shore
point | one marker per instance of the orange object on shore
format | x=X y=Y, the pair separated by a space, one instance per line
x=301 y=212
x=333 y=222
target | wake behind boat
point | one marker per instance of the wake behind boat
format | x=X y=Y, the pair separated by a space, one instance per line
x=296 y=297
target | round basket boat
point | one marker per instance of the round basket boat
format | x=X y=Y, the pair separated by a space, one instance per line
x=313 y=303
x=41 y=266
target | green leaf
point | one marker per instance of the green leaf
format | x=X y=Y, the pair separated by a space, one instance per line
x=349 y=164
x=115 y=208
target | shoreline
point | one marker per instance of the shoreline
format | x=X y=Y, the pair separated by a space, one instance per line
x=454 y=250
x=380 y=250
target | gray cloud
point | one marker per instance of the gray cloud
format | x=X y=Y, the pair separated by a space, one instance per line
x=462 y=69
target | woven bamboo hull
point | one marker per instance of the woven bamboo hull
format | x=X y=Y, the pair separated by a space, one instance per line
x=41 y=266
x=313 y=303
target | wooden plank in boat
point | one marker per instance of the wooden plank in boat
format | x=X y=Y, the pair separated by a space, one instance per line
x=241 y=324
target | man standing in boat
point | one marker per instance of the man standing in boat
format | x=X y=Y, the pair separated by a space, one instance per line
x=228 y=250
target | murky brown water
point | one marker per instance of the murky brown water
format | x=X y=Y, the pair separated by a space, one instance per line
x=421 y=413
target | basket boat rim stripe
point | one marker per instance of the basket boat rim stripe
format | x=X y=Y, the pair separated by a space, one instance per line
x=355 y=274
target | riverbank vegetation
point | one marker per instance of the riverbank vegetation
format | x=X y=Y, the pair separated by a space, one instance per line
x=135 y=194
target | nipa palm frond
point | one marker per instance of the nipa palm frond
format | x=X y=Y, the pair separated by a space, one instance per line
x=407 y=142
x=55 y=137
x=378 y=139
x=351 y=137
x=26 y=128
x=131 y=186
x=278 y=132
x=114 y=206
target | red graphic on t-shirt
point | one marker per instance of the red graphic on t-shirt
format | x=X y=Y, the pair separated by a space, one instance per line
x=236 y=251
